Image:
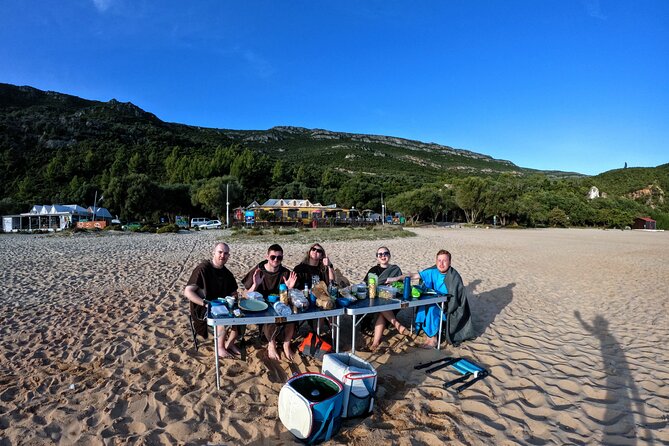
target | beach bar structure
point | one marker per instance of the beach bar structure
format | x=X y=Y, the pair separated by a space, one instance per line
x=644 y=223
x=55 y=217
x=292 y=211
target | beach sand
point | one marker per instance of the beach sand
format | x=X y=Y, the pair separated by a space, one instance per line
x=96 y=348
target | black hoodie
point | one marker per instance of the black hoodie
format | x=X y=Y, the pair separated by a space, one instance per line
x=270 y=282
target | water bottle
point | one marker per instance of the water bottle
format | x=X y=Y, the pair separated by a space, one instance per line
x=407 y=288
x=334 y=292
x=306 y=291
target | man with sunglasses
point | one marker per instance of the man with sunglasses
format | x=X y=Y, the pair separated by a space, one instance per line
x=265 y=279
x=211 y=280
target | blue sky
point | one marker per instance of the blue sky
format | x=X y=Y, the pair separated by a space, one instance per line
x=573 y=85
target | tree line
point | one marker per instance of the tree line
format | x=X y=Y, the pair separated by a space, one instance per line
x=154 y=180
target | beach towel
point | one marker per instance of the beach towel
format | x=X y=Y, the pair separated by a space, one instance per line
x=459 y=322
x=427 y=319
x=458 y=325
x=391 y=271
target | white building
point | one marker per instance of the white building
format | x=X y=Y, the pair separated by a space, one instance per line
x=54 y=217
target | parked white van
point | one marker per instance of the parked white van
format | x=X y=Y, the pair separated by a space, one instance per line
x=197 y=221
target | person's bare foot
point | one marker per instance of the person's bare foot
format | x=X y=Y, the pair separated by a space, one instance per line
x=374 y=347
x=403 y=330
x=223 y=353
x=234 y=350
x=287 y=351
x=430 y=343
x=271 y=351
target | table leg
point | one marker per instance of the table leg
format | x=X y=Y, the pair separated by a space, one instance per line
x=353 y=334
x=441 y=321
x=337 y=334
x=218 y=372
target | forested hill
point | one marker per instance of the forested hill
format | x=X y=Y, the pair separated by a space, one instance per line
x=37 y=121
x=58 y=148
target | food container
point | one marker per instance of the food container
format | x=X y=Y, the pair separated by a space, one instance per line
x=343 y=301
x=387 y=292
x=218 y=307
x=253 y=295
x=299 y=301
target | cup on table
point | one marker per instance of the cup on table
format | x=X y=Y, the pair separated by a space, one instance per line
x=230 y=300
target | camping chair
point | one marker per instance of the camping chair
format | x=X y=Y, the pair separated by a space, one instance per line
x=192 y=330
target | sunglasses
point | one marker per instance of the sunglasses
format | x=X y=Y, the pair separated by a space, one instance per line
x=279 y=258
x=318 y=250
x=382 y=254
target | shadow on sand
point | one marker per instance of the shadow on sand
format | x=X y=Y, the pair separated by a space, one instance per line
x=618 y=420
x=486 y=306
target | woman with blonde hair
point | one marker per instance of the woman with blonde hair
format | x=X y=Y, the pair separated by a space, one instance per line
x=315 y=263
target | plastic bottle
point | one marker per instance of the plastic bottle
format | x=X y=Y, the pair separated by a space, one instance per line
x=283 y=294
x=306 y=291
x=407 y=288
x=334 y=291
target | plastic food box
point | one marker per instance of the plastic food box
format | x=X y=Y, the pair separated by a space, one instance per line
x=387 y=292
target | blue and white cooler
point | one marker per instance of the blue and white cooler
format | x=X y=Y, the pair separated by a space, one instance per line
x=359 y=380
x=310 y=406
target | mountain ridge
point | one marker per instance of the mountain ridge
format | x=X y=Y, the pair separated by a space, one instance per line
x=22 y=97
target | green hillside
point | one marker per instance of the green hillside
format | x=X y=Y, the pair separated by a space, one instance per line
x=625 y=181
x=58 y=148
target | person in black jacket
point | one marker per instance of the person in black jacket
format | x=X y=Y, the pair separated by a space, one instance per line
x=211 y=280
x=384 y=270
x=265 y=279
x=315 y=263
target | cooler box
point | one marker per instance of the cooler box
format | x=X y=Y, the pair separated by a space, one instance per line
x=359 y=380
x=310 y=406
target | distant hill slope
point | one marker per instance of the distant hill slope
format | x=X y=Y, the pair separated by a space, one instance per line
x=59 y=148
x=34 y=123
x=631 y=179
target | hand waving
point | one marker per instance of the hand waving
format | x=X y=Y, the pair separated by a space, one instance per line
x=292 y=278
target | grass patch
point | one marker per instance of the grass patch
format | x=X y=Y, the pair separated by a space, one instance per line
x=278 y=234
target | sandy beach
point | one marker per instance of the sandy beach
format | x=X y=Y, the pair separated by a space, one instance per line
x=573 y=323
